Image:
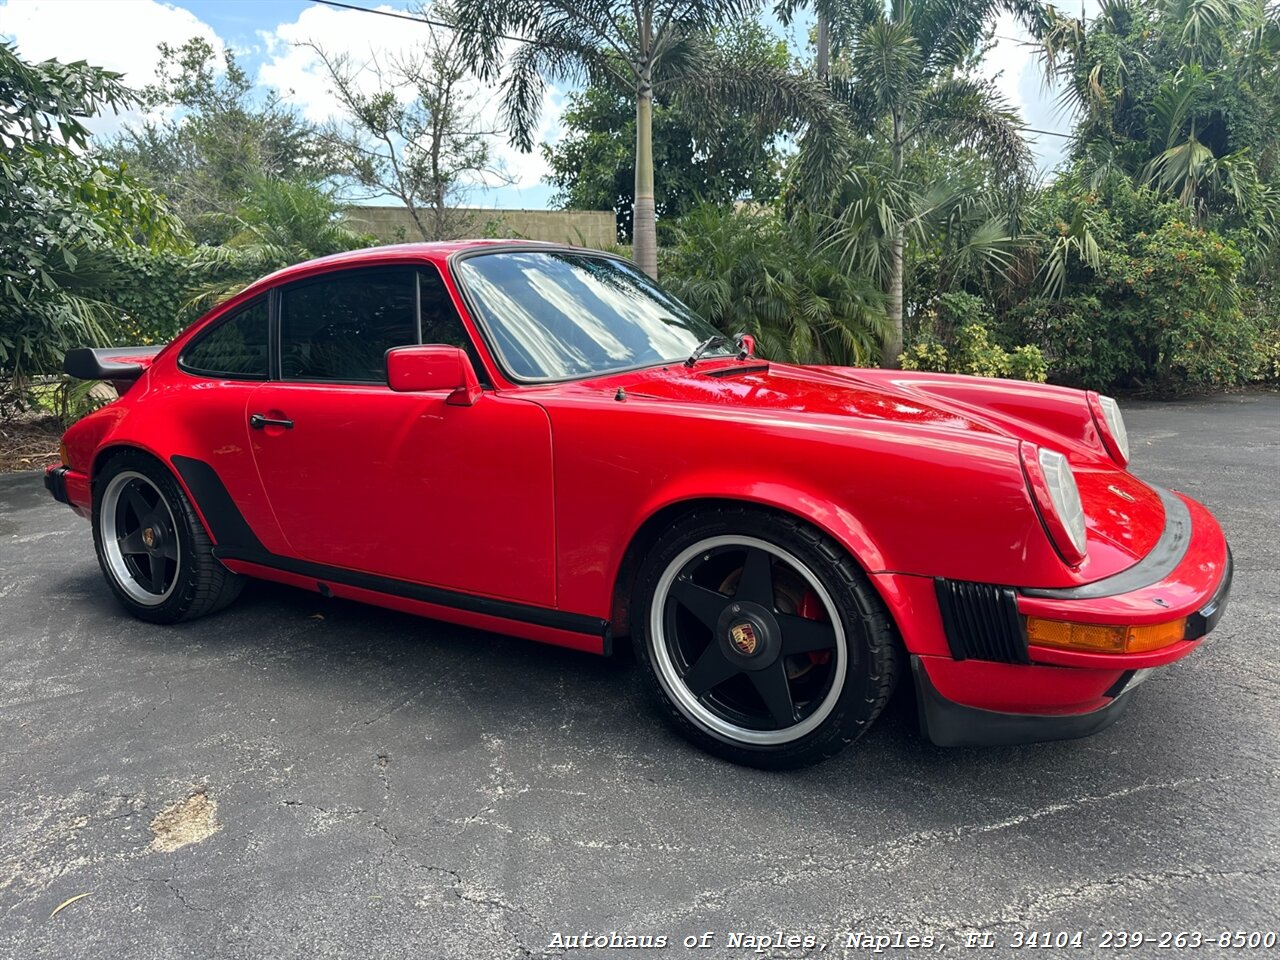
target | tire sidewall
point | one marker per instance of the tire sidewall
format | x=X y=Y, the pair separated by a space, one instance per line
x=862 y=695
x=180 y=599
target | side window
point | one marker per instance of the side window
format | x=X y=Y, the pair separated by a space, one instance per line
x=340 y=326
x=236 y=348
x=440 y=320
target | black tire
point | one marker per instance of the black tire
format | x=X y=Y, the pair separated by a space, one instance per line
x=673 y=640
x=192 y=581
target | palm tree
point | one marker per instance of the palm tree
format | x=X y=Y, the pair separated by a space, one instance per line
x=1163 y=89
x=904 y=81
x=642 y=44
x=756 y=271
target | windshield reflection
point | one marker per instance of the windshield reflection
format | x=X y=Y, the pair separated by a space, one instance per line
x=557 y=315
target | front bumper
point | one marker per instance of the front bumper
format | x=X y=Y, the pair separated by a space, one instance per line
x=55 y=481
x=987 y=686
x=950 y=724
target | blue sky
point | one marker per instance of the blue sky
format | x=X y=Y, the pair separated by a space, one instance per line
x=123 y=34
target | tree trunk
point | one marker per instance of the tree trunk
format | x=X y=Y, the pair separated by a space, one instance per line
x=893 y=342
x=824 y=48
x=644 y=224
x=897 y=242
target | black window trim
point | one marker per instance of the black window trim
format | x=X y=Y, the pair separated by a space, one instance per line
x=482 y=325
x=274 y=296
x=208 y=331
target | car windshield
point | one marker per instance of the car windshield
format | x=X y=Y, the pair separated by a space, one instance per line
x=555 y=315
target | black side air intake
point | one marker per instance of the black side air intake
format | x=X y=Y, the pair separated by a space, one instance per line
x=981 y=621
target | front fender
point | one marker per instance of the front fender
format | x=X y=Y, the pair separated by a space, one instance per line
x=818 y=509
x=1045 y=414
x=916 y=500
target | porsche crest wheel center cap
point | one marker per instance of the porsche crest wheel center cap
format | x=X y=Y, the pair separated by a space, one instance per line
x=748 y=634
x=149 y=537
x=744 y=638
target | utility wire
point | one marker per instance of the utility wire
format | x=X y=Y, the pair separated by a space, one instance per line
x=428 y=20
x=536 y=43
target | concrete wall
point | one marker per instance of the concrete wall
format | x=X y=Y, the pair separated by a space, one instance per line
x=590 y=228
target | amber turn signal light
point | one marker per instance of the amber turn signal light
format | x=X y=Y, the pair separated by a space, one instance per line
x=1104 y=638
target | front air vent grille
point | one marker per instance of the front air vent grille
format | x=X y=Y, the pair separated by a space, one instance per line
x=981 y=621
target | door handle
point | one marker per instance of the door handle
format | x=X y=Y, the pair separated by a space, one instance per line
x=258 y=421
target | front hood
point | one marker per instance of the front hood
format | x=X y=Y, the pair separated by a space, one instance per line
x=786 y=389
x=1124 y=516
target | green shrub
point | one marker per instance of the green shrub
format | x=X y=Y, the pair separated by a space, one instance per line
x=954 y=336
x=1028 y=363
x=755 y=271
x=1263 y=318
x=1158 y=308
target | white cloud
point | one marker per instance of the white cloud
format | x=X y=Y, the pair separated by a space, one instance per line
x=297 y=72
x=1007 y=60
x=1012 y=65
x=121 y=36
x=1015 y=66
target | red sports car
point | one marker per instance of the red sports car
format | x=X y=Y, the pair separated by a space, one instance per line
x=538 y=440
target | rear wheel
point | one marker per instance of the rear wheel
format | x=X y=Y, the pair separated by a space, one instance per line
x=151 y=546
x=764 y=642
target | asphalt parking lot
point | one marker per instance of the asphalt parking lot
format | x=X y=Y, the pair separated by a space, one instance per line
x=358 y=783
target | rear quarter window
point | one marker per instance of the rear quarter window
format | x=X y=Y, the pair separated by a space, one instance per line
x=235 y=348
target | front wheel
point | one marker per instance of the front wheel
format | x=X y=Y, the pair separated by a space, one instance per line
x=151 y=546
x=764 y=642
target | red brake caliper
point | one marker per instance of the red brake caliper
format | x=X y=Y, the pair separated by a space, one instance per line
x=811 y=609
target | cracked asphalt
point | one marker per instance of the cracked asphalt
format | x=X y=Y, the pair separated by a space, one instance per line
x=384 y=786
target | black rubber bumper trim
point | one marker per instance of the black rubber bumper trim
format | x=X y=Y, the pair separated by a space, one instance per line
x=1201 y=622
x=504 y=609
x=1154 y=567
x=55 y=481
x=949 y=724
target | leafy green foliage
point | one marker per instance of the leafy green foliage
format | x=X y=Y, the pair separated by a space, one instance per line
x=278 y=223
x=222 y=138
x=702 y=152
x=1182 y=96
x=639 y=45
x=956 y=337
x=755 y=272
x=904 y=73
x=60 y=216
x=1152 y=302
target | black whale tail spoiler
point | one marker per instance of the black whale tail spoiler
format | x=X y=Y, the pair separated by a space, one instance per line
x=120 y=365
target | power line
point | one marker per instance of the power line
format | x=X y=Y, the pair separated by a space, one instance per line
x=507 y=36
x=429 y=21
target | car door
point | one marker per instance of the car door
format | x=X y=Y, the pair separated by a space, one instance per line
x=400 y=485
x=229 y=360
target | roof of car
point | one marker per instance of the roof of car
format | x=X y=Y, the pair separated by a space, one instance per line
x=438 y=252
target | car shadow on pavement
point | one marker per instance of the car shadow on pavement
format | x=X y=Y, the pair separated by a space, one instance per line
x=319 y=651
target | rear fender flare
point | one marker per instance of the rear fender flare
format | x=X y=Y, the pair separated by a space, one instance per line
x=111 y=449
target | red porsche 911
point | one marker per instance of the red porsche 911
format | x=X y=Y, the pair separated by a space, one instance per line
x=538 y=440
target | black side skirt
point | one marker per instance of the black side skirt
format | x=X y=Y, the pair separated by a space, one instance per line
x=237 y=541
x=505 y=609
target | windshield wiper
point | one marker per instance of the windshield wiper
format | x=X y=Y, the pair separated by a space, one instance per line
x=717 y=341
